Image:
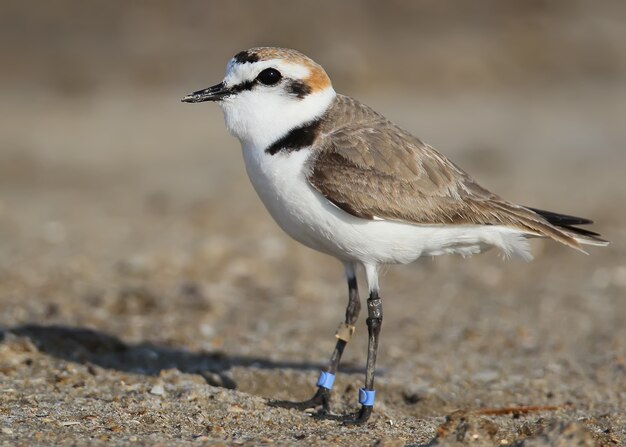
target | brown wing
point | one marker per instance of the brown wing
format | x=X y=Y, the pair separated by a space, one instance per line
x=371 y=168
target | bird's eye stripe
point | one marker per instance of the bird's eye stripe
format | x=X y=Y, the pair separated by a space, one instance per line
x=247 y=85
x=298 y=88
x=269 y=77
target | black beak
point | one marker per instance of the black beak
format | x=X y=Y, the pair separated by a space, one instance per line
x=215 y=93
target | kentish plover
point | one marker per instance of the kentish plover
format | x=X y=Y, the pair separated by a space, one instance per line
x=342 y=179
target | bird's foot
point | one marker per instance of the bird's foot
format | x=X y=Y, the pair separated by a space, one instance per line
x=361 y=417
x=321 y=398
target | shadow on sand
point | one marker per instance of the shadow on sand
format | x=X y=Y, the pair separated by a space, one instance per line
x=86 y=346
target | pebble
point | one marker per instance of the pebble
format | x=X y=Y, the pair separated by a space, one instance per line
x=157 y=390
x=235 y=409
x=486 y=376
x=219 y=380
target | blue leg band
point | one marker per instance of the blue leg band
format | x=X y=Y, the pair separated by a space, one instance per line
x=366 y=397
x=326 y=380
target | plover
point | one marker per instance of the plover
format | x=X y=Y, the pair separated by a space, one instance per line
x=342 y=179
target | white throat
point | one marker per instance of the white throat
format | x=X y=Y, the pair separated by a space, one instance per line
x=258 y=119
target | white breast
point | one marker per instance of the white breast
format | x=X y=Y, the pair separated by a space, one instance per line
x=311 y=219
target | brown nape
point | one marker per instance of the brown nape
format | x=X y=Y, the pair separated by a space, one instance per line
x=318 y=79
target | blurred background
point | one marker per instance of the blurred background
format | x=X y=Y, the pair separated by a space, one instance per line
x=125 y=211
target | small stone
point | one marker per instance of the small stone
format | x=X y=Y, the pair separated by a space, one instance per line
x=157 y=390
x=235 y=409
x=486 y=376
x=219 y=379
x=7 y=431
x=389 y=442
x=411 y=398
x=215 y=429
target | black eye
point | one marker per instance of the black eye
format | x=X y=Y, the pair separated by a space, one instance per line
x=269 y=76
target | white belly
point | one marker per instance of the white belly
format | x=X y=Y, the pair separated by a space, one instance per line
x=309 y=218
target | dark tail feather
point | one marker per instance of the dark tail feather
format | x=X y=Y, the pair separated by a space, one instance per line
x=567 y=223
x=561 y=220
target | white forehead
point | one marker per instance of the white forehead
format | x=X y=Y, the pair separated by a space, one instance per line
x=237 y=72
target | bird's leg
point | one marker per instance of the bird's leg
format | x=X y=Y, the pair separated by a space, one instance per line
x=374 y=323
x=343 y=334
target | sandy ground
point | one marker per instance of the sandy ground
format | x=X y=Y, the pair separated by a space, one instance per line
x=153 y=300
x=148 y=299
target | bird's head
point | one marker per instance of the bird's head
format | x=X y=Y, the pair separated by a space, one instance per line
x=267 y=92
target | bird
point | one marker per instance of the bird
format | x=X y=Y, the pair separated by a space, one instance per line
x=344 y=180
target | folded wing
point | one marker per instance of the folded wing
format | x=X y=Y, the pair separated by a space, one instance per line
x=373 y=169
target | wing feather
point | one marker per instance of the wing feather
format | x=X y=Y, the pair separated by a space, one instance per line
x=370 y=168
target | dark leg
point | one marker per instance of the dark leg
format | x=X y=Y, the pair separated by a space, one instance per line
x=374 y=323
x=344 y=333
